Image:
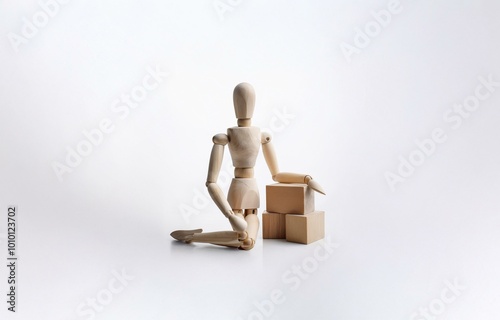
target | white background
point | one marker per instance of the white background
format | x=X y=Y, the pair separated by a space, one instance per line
x=350 y=118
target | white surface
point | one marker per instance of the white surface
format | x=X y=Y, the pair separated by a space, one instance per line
x=351 y=122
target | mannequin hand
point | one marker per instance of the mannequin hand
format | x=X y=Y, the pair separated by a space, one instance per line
x=315 y=186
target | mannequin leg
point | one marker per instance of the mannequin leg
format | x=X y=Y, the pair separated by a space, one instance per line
x=252 y=229
x=222 y=238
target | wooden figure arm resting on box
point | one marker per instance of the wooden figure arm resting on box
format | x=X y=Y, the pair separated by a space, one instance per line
x=284 y=177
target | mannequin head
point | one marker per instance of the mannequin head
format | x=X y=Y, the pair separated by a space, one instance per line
x=244 y=103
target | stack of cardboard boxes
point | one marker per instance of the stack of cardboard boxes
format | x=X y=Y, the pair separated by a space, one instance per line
x=290 y=214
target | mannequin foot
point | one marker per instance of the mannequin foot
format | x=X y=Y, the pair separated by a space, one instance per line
x=185 y=235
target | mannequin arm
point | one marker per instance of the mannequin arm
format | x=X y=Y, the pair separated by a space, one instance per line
x=284 y=177
x=214 y=166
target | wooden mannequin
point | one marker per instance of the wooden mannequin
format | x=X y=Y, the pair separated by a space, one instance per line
x=242 y=201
